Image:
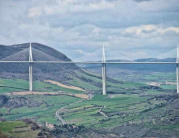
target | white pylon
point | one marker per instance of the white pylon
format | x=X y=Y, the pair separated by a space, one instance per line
x=103 y=71
x=177 y=70
x=30 y=67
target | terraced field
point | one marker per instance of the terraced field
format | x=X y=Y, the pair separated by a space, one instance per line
x=128 y=106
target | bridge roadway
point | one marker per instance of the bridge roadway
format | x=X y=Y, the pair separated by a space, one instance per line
x=88 y=62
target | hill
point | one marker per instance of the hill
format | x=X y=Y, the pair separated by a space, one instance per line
x=135 y=72
x=65 y=101
x=138 y=67
x=67 y=74
x=40 y=53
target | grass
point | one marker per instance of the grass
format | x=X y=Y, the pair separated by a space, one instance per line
x=171 y=87
x=42 y=112
x=3 y=110
x=121 y=108
x=79 y=83
x=10 y=125
x=76 y=112
x=18 y=129
x=91 y=117
x=22 y=85
x=160 y=76
x=13 y=85
x=112 y=87
x=43 y=86
x=170 y=127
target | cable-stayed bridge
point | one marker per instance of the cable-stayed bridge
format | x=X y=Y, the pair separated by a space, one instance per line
x=103 y=63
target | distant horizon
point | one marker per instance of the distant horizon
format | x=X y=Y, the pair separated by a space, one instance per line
x=88 y=60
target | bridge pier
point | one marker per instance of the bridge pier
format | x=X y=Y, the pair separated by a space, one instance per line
x=30 y=68
x=104 y=78
x=177 y=78
x=177 y=70
x=30 y=77
x=103 y=72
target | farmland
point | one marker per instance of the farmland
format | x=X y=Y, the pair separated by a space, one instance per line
x=128 y=104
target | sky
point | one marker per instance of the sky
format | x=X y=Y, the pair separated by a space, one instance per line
x=129 y=29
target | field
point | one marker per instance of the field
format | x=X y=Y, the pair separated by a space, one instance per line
x=129 y=105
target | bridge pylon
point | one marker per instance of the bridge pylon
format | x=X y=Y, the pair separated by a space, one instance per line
x=177 y=70
x=103 y=72
x=30 y=68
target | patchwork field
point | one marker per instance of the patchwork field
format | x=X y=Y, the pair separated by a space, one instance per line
x=129 y=106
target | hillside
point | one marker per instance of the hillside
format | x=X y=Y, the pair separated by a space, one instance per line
x=67 y=74
x=138 y=67
x=41 y=71
x=66 y=100
x=135 y=72
x=40 y=53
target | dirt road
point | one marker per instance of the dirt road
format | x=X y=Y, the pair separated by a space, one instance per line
x=65 y=86
x=83 y=96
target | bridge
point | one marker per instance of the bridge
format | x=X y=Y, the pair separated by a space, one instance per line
x=103 y=67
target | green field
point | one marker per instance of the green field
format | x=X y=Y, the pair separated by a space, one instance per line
x=137 y=105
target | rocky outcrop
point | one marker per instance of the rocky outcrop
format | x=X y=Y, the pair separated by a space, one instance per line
x=15 y=102
x=3 y=100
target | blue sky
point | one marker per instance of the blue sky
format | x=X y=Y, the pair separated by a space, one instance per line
x=129 y=29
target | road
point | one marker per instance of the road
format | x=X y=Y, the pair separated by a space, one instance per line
x=62 y=109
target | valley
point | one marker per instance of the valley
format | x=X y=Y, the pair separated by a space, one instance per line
x=130 y=106
x=66 y=100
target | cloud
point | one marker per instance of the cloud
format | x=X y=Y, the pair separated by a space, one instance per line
x=141 y=0
x=150 y=31
x=69 y=6
x=79 y=27
x=33 y=12
x=159 y=5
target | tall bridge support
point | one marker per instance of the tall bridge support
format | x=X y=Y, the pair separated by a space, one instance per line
x=30 y=77
x=103 y=72
x=104 y=78
x=177 y=70
x=30 y=68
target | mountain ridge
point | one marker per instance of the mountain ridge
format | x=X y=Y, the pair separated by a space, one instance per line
x=42 y=71
x=10 y=50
